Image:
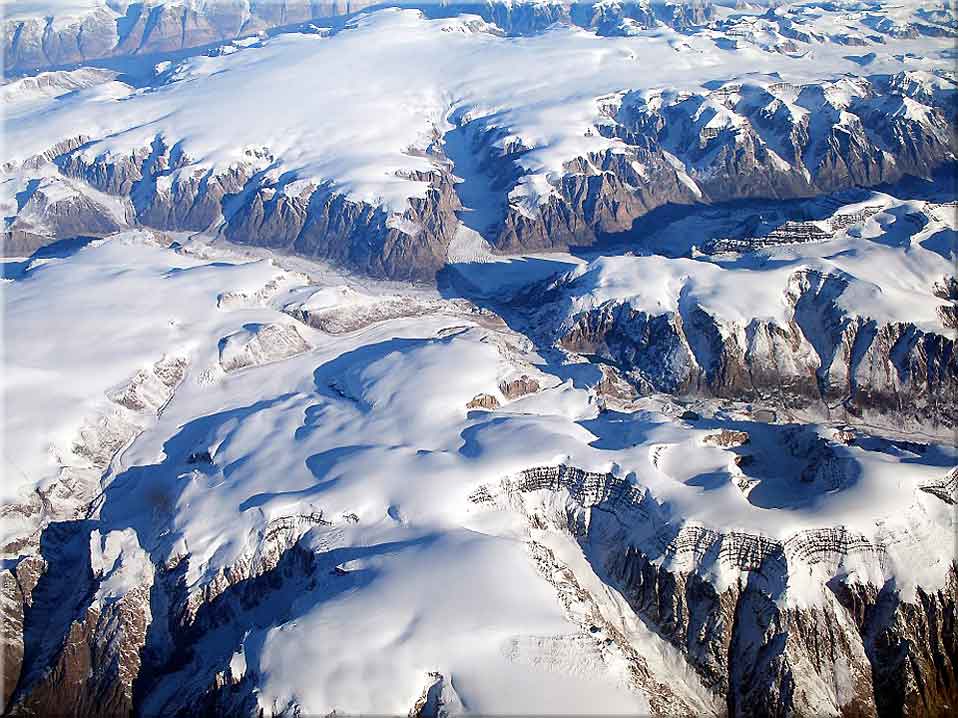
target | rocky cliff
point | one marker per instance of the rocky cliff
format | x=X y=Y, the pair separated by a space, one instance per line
x=120 y=28
x=739 y=141
x=728 y=601
x=819 y=354
x=599 y=195
x=755 y=139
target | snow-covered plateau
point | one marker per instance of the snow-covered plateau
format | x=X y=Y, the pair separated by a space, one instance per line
x=519 y=357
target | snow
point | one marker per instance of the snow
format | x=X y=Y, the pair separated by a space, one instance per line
x=370 y=428
x=389 y=80
x=373 y=424
x=654 y=284
x=62 y=9
x=330 y=297
x=49 y=85
x=119 y=562
x=432 y=625
x=103 y=284
x=889 y=270
x=258 y=344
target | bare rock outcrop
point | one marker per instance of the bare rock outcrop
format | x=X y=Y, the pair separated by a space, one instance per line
x=82 y=647
x=727 y=438
x=667 y=149
x=675 y=152
x=60 y=627
x=822 y=354
x=438 y=700
x=260 y=344
x=103 y=625
x=857 y=649
x=946 y=489
x=483 y=401
x=517 y=388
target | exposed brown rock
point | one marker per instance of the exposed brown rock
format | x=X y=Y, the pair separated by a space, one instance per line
x=483 y=401
x=821 y=354
x=946 y=489
x=727 y=438
x=765 y=657
x=518 y=387
x=845 y=436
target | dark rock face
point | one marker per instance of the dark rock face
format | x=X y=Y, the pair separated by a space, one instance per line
x=147 y=28
x=330 y=226
x=168 y=26
x=947 y=290
x=859 y=651
x=45 y=213
x=601 y=194
x=655 y=345
x=104 y=655
x=65 y=642
x=514 y=19
x=822 y=355
x=164 y=191
x=518 y=388
x=530 y=18
x=734 y=142
x=616 y=19
x=765 y=151
x=78 y=651
x=167 y=192
x=18 y=242
x=946 y=489
x=16 y=588
x=909 y=647
x=912 y=646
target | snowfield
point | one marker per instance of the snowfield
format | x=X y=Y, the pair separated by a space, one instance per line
x=887 y=261
x=703 y=463
x=415 y=76
x=369 y=433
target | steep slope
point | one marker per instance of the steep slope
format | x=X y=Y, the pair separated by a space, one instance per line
x=790 y=319
x=776 y=627
x=704 y=464
x=240 y=529
x=46 y=34
x=364 y=163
